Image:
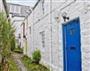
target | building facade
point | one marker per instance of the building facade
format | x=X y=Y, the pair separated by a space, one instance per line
x=17 y=15
x=3 y=8
x=47 y=28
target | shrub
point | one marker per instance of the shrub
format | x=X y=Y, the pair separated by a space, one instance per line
x=12 y=65
x=36 y=56
x=13 y=45
x=18 y=50
x=0 y=66
x=33 y=66
x=26 y=60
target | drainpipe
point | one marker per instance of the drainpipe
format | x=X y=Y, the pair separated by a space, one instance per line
x=5 y=7
x=51 y=57
x=33 y=21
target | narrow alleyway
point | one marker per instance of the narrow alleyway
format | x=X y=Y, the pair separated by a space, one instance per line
x=17 y=59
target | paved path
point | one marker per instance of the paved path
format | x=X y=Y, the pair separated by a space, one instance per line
x=17 y=59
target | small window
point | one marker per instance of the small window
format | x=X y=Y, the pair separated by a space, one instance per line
x=43 y=6
x=30 y=30
x=43 y=38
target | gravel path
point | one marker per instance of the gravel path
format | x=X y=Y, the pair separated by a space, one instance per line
x=17 y=59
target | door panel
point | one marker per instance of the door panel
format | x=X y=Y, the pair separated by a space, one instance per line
x=71 y=43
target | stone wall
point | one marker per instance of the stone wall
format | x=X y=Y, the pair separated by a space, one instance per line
x=46 y=21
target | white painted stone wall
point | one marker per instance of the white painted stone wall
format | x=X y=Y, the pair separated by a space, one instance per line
x=52 y=53
x=1 y=6
x=17 y=14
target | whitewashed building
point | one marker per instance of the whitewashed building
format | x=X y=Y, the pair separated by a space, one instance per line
x=61 y=30
x=3 y=8
x=17 y=14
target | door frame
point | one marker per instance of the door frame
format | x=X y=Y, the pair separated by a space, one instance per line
x=63 y=40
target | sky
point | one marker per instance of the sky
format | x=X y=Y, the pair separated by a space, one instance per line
x=23 y=2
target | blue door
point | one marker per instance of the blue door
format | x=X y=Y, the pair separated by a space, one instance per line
x=72 y=45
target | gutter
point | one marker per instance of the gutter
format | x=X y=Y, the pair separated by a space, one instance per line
x=33 y=8
x=5 y=7
x=36 y=4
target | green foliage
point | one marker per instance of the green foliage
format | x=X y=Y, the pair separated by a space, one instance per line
x=27 y=59
x=18 y=50
x=36 y=56
x=13 y=43
x=33 y=66
x=0 y=67
x=6 y=36
x=12 y=65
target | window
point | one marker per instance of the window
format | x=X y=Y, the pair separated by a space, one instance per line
x=30 y=29
x=43 y=6
x=17 y=9
x=43 y=38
